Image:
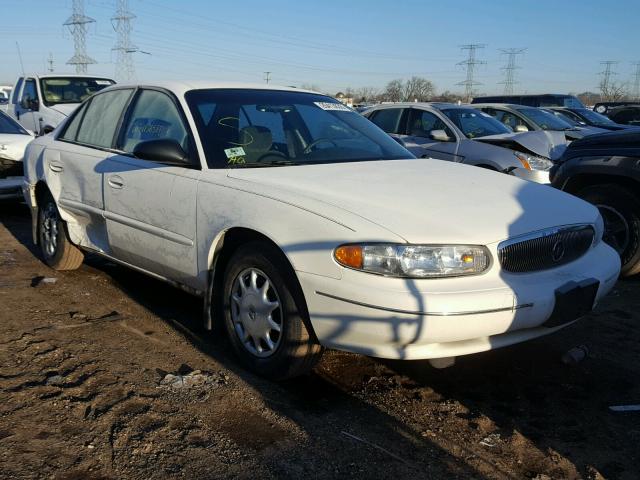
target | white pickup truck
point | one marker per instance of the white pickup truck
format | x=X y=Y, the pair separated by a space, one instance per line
x=40 y=102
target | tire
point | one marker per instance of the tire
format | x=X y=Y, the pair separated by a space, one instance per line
x=53 y=237
x=252 y=318
x=620 y=209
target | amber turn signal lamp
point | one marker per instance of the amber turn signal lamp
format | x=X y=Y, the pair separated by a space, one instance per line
x=349 y=256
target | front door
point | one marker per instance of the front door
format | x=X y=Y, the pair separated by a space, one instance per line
x=26 y=116
x=419 y=141
x=150 y=208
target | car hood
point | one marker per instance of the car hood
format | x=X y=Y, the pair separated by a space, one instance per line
x=12 y=146
x=420 y=200
x=547 y=144
x=64 y=108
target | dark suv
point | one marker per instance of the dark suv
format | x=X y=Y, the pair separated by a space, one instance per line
x=604 y=169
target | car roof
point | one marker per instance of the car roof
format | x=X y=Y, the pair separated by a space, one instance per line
x=512 y=106
x=437 y=105
x=58 y=75
x=181 y=87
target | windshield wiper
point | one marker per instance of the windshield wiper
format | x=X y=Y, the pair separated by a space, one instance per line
x=271 y=163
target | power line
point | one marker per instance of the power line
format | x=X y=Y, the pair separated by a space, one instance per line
x=121 y=22
x=636 y=81
x=607 y=73
x=470 y=64
x=50 y=63
x=510 y=68
x=77 y=24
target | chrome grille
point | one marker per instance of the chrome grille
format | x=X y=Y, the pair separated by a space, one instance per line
x=546 y=249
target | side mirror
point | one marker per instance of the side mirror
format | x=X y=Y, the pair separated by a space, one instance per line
x=47 y=129
x=521 y=128
x=439 y=136
x=30 y=104
x=164 y=150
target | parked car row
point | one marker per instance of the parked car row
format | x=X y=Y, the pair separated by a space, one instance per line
x=304 y=226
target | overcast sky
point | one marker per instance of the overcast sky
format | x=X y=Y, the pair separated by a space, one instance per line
x=335 y=45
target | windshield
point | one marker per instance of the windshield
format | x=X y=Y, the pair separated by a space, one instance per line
x=544 y=120
x=70 y=89
x=564 y=117
x=474 y=123
x=240 y=128
x=594 y=117
x=9 y=125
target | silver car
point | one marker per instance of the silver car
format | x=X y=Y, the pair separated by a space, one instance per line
x=521 y=118
x=462 y=134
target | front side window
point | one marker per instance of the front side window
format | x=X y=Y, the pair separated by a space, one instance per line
x=155 y=117
x=422 y=123
x=475 y=124
x=511 y=120
x=255 y=128
x=56 y=90
x=101 y=118
x=544 y=120
x=29 y=92
x=388 y=119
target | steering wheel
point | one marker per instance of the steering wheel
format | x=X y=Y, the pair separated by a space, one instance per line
x=272 y=153
x=320 y=140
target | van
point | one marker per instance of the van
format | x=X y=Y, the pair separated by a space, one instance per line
x=543 y=100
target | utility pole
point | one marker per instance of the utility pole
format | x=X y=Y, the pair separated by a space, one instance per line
x=510 y=68
x=607 y=73
x=77 y=24
x=50 y=63
x=267 y=77
x=636 y=81
x=121 y=22
x=470 y=64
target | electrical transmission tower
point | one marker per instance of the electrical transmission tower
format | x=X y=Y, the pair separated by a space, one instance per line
x=77 y=24
x=121 y=21
x=267 y=77
x=636 y=81
x=607 y=73
x=50 y=63
x=470 y=65
x=510 y=68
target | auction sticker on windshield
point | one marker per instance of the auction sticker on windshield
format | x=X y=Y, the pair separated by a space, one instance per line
x=333 y=106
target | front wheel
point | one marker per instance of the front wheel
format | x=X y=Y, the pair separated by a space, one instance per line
x=56 y=247
x=265 y=314
x=620 y=209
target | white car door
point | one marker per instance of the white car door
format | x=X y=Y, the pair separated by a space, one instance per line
x=25 y=114
x=418 y=138
x=76 y=159
x=150 y=207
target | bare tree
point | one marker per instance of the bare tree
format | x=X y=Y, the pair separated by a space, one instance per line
x=310 y=86
x=418 y=89
x=365 y=94
x=393 y=92
x=612 y=91
x=449 y=97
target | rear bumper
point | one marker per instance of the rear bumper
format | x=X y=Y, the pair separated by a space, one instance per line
x=11 y=188
x=421 y=319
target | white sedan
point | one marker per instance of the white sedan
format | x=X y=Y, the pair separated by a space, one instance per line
x=13 y=142
x=303 y=225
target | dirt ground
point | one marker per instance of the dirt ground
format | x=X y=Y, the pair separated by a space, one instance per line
x=81 y=361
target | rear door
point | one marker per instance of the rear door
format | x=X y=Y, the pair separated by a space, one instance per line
x=150 y=207
x=76 y=162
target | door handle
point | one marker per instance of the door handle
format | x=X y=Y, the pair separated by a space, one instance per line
x=55 y=167
x=115 y=182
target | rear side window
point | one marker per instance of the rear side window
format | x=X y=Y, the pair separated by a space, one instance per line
x=387 y=119
x=156 y=117
x=71 y=131
x=101 y=118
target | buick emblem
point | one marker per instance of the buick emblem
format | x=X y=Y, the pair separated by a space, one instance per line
x=557 y=252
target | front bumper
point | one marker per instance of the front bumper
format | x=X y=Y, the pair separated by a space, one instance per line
x=10 y=188
x=422 y=319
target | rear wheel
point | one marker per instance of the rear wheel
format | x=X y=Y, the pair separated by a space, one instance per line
x=620 y=209
x=56 y=247
x=265 y=314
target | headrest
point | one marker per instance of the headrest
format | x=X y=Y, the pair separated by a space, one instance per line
x=255 y=138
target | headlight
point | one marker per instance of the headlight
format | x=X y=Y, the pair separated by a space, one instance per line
x=531 y=162
x=415 y=261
